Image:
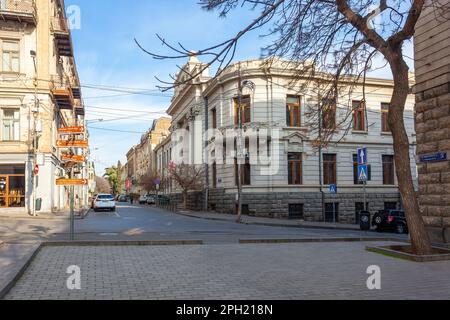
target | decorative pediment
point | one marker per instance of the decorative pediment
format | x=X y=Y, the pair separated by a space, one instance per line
x=295 y=138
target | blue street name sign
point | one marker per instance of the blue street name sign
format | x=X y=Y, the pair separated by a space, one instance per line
x=362 y=156
x=435 y=157
x=363 y=173
x=333 y=189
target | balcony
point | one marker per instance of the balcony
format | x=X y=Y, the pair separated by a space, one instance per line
x=23 y=11
x=62 y=93
x=61 y=32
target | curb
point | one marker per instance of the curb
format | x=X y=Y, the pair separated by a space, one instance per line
x=268 y=224
x=317 y=240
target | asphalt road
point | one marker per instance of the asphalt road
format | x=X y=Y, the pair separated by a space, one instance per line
x=133 y=222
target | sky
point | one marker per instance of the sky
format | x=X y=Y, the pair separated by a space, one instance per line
x=107 y=57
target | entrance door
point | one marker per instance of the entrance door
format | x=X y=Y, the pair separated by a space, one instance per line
x=3 y=191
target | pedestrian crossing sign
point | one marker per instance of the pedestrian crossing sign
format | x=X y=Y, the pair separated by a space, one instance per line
x=363 y=175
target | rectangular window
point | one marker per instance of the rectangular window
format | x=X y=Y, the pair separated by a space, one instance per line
x=328 y=114
x=384 y=118
x=10 y=56
x=296 y=211
x=355 y=171
x=245 y=111
x=10 y=122
x=359 y=116
x=214 y=118
x=293 y=111
x=329 y=169
x=245 y=173
x=12 y=186
x=295 y=168
x=388 y=170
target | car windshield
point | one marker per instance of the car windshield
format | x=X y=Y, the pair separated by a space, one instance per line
x=105 y=197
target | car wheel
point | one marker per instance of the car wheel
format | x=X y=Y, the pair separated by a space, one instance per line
x=378 y=220
x=400 y=228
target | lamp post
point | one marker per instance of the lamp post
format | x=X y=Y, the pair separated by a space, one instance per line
x=239 y=144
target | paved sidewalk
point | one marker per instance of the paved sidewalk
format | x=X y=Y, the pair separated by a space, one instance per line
x=270 y=221
x=13 y=260
x=60 y=215
x=227 y=272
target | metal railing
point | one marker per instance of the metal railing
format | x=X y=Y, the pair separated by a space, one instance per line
x=18 y=6
x=59 y=24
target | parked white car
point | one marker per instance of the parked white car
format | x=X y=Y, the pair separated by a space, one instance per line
x=143 y=200
x=104 y=202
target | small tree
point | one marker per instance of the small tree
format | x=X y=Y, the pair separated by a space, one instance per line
x=188 y=177
x=102 y=185
x=147 y=182
x=114 y=176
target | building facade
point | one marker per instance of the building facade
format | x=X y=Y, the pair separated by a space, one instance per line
x=140 y=156
x=39 y=93
x=432 y=69
x=279 y=106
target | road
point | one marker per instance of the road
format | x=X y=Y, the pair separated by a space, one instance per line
x=133 y=222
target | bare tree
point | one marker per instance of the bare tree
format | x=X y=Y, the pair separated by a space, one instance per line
x=188 y=177
x=102 y=185
x=340 y=39
x=147 y=181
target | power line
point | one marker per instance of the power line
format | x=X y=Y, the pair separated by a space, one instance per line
x=115 y=130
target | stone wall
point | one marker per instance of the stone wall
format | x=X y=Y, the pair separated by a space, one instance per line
x=432 y=69
x=276 y=204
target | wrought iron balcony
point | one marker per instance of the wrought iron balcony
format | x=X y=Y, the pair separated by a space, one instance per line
x=62 y=36
x=18 y=10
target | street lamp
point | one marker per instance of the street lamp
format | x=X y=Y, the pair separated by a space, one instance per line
x=240 y=155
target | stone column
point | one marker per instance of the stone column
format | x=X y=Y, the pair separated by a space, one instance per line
x=432 y=89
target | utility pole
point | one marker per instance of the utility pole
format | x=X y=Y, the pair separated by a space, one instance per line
x=35 y=133
x=239 y=148
x=206 y=155
x=319 y=104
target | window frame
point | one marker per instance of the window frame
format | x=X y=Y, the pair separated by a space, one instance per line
x=327 y=164
x=12 y=53
x=214 y=118
x=246 y=106
x=360 y=110
x=293 y=165
x=385 y=129
x=290 y=116
x=13 y=121
x=327 y=108
x=388 y=172
x=246 y=172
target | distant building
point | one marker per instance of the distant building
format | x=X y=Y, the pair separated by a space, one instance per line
x=39 y=93
x=276 y=101
x=432 y=69
x=140 y=156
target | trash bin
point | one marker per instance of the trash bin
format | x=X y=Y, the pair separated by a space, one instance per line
x=364 y=220
x=38 y=205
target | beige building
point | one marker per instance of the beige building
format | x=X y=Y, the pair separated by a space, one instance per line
x=39 y=93
x=432 y=69
x=140 y=156
x=280 y=107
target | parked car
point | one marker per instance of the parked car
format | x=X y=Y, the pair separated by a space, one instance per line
x=122 y=198
x=151 y=200
x=104 y=202
x=143 y=200
x=390 y=220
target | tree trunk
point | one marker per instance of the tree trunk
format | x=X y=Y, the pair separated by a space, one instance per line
x=185 y=200
x=420 y=240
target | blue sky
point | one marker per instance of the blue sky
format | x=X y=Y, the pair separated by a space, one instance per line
x=106 y=55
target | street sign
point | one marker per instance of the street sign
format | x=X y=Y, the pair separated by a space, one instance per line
x=362 y=156
x=363 y=175
x=71 y=130
x=435 y=157
x=333 y=189
x=73 y=158
x=72 y=144
x=71 y=182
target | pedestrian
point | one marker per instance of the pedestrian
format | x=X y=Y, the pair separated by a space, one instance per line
x=131 y=199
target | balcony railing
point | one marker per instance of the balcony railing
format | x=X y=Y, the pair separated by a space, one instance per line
x=18 y=10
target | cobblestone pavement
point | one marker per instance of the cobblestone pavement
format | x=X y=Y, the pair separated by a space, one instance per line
x=229 y=271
